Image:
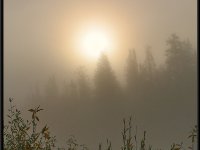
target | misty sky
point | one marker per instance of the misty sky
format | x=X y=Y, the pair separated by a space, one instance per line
x=41 y=37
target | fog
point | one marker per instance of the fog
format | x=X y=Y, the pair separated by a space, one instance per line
x=149 y=72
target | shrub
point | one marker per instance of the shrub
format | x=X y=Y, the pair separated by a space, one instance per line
x=24 y=135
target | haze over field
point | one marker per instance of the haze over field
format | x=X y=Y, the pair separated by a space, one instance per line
x=91 y=63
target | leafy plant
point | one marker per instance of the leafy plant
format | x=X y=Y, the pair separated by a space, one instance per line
x=24 y=135
x=73 y=144
x=192 y=136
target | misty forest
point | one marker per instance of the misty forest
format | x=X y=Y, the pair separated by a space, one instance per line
x=168 y=91
x=100 y=75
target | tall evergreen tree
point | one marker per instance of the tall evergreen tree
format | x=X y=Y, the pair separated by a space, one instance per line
x=52 y=92
x=147 y=76
x=106 y=84
x=180 y=58
x=132 y=73
x=83 y=84
x=36 y=95
x=73 y=92
x=149 y=66
x=181 y=64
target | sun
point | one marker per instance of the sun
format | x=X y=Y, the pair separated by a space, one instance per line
x=95 y=41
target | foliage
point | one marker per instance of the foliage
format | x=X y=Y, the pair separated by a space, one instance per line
x=193 y=136
x=25 y=135
x=73 y=144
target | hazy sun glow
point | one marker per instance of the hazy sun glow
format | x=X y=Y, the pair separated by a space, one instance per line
x=94 y=41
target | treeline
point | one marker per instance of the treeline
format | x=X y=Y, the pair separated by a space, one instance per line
x=177 y=78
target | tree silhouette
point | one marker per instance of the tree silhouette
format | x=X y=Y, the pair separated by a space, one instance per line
x=132 y=73
x=149 y=66
x=73 y=92
x=181 y=63
x=147 y=76
x=36 y=96
x=180 y=56
x=105 y=82
x=83 y=84
x=51 y=91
